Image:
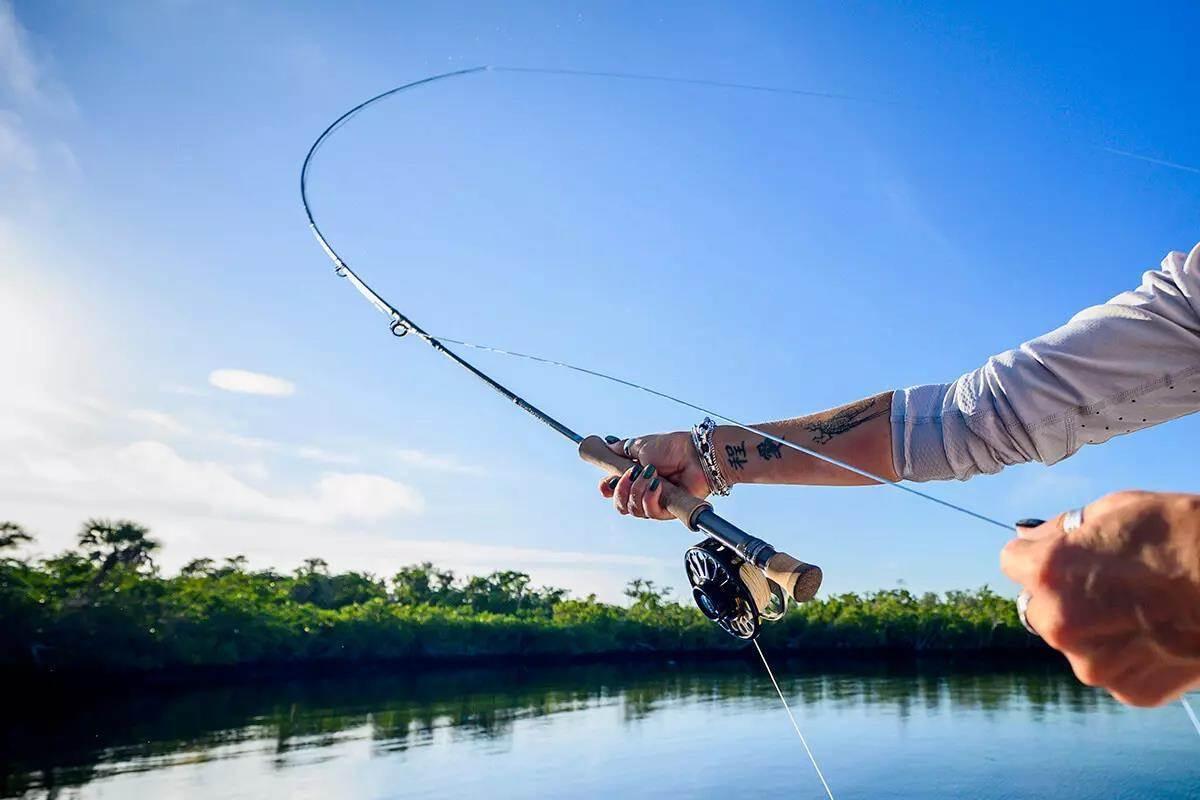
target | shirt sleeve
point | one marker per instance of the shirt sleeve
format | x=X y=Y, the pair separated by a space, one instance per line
x=1112 y=369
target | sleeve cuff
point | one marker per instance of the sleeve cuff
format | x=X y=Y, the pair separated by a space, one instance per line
x=918 y=438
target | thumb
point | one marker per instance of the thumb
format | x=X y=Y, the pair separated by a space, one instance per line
x=617 y=445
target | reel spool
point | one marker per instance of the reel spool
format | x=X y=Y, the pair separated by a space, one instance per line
x=730 y=591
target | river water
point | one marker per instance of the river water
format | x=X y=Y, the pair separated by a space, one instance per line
x=928 y=731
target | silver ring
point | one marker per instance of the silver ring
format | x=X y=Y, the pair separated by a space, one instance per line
x=1023 y=608
x=625 y=448
x=1072 y=520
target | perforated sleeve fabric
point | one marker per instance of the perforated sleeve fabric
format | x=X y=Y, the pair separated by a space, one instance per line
x=1112 y=369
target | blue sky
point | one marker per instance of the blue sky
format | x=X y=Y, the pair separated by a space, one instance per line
x=762 y=254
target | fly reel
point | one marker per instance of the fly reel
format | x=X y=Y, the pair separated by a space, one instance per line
x=730 y=591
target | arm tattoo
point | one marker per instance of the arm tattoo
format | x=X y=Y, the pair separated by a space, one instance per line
x=824 y=430
x=769 y=448
x=736 y=456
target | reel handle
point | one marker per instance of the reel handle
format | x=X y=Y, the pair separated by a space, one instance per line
x=799 y=580
x=682 y=505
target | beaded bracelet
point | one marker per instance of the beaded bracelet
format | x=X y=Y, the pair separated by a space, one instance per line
x=702 y=436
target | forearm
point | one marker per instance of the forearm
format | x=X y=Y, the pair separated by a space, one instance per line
x=859 y=433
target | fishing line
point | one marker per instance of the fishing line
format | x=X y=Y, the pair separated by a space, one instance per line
x=788 y=709
x=729 y=420
x=1187 y=706
x=401 y=325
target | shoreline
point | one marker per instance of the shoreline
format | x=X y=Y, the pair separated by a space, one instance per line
x=802 y=661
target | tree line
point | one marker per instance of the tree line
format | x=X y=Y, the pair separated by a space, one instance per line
x=105 y=604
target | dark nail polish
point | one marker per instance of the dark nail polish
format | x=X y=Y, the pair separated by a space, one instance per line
x=1030 y=523
x=648 y=473
x=612 y=482
x=654 y=484
x=637 y=470
x=612 y=439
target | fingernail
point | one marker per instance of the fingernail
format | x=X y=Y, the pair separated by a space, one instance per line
x=654 y=484
x=1032 y=530
x=612 y=439
x=612 y=482
x=637 y=470
x=648 y=473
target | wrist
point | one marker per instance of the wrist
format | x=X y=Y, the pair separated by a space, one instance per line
x=732 y=456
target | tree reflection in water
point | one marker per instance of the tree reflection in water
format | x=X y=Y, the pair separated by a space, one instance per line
x=51 y=745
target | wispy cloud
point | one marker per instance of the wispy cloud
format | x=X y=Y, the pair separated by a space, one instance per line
x=322 y=456
x=17 y=151
x=160 y=420
x=246 y=382
x=1152 y=160
x=18 y=73
x=35 y=164
x=433 y=461
x=187 y=391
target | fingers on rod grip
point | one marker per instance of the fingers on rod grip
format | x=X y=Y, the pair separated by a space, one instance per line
x=801 y=581
x=682 y=505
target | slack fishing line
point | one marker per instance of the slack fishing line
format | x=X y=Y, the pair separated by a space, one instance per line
x=714 y=591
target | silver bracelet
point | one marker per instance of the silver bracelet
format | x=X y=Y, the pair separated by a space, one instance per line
x=702 y=438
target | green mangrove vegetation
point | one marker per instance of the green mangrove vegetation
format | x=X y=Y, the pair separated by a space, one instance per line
x=106 y=606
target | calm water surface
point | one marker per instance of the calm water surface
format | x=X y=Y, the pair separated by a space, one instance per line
x=622 y=732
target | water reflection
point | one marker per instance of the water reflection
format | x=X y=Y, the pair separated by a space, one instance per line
x=51 y=746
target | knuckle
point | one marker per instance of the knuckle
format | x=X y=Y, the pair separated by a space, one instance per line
x=1054 y=633
x=1189 y=504
x=1140 y=696
x=1053 y=566
x=1089 y=672
x=1010 y=554
x=1053 y=625
x=1124 y=497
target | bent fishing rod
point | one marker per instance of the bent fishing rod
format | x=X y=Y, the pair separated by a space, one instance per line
x=733 y=597
x=737 y=578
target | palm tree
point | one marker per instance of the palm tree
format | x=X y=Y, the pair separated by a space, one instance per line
x=12 y=535
x=197 y=566
x=235 y=564
x=112 y=543
x=109 y=543
x=314 y=566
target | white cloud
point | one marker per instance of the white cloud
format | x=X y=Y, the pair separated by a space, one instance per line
x=440 y=463
x=246 y=382
x=75 y=465
x=56 y=470
x=159 y=420
x=246 y=442
x=307 y=452
x=150 y=474
x=324 y=456
x=364 y=497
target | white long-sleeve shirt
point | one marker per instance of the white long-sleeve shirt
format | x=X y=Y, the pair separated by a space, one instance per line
x=1114 y=368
